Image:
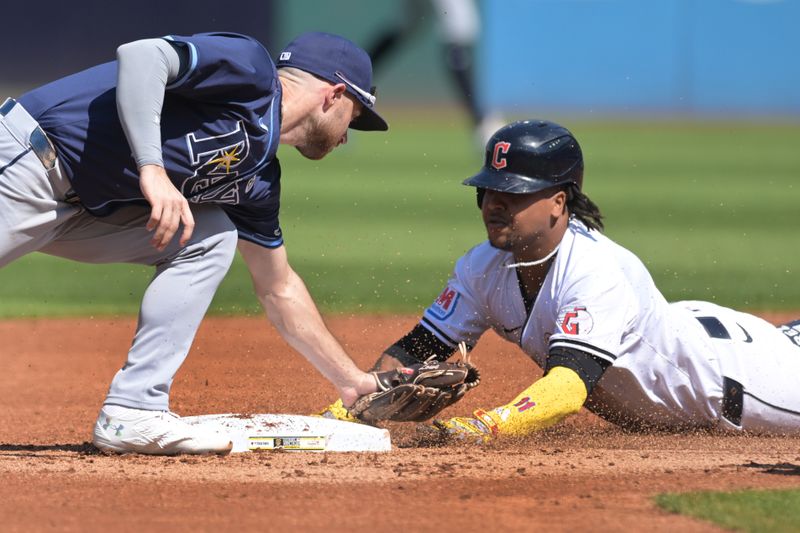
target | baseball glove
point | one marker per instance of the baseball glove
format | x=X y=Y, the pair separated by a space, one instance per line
x=416 y=393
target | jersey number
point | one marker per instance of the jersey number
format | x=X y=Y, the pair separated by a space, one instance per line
x=524 y=404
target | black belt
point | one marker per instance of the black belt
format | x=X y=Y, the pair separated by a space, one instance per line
x=39 y=144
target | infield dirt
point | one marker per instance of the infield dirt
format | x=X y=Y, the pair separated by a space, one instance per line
x=584 y=474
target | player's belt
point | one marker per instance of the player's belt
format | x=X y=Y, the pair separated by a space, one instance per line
x=39 y=143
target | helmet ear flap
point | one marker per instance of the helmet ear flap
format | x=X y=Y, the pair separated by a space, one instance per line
x=479 y=193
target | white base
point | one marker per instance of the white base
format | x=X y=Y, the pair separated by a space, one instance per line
x=296 y=433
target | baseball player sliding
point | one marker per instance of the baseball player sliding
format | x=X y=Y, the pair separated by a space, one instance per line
x=587 y=312
x=179 y=136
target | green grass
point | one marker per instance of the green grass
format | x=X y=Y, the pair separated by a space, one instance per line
x=768 y=511
x=710 y=208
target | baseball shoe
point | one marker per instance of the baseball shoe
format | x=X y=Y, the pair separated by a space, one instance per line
x=125 y=430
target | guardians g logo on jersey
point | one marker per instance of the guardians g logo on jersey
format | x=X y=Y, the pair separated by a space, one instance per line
x=575 y=320
x=215 y=160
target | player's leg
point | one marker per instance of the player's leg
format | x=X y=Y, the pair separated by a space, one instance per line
x=174 y=303
x=761 y=392
x=404 y=26
x=459 y=26
x=775 y=406
x=32 y=206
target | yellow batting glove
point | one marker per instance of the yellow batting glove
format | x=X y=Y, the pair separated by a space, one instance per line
x=478 y=430
x=337 y=411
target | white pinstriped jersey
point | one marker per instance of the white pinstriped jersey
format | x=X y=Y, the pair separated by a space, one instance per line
x=667 y=360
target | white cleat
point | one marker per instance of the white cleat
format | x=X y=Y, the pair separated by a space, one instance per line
x=125 y=430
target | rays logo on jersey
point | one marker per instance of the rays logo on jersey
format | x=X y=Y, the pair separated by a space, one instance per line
x=575 y=320
x=215 y=160
x=791 y=330
x=445 y=304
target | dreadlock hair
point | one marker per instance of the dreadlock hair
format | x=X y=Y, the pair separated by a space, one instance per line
x=581 y=207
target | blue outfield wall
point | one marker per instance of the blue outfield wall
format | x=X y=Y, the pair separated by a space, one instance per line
x=703 y=57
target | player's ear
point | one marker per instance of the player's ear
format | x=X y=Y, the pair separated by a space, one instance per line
x=559 y=201
x=334 y=93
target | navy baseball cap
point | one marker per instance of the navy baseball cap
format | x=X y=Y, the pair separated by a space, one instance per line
x=337 y=60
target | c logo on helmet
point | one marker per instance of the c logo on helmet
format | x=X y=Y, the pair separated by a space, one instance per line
x=500 y=150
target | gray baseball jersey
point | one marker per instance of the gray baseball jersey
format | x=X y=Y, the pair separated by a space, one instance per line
x=686 y=364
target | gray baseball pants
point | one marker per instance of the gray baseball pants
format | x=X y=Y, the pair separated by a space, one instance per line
x=34 y=216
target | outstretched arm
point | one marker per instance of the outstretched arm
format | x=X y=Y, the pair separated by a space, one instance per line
x=570 y=376
x=415 y=347
x=549 y=400
x=289 y=307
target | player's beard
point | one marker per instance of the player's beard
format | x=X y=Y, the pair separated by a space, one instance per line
x=509 y=239
x=321 y=137
x=522 y=233
x=500 y=232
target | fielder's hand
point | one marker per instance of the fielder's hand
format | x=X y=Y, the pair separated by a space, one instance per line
x=169 y=208
x=417 y=392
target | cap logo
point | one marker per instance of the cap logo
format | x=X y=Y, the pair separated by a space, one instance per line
x=498 y=157
x=285 y=56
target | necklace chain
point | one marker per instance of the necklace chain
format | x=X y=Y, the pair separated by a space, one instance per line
x=537 y=262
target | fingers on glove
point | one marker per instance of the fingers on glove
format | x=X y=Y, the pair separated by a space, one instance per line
x=441 y=374
x=421 y=407
x=431 y=373
x=438 y=402
x=445 y=398
x=469 y=430
x=393 y=378
x=416 y=393
x=385 y=405
x=445 y=374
